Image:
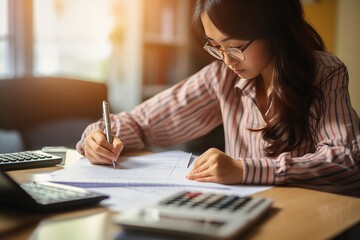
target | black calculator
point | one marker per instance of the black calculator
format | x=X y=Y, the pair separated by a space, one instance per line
x=44 y=196
x=197 y=214
x=27 y=159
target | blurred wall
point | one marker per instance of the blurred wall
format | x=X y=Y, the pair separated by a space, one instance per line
x=322 y=16
x=337 y=21
x=348 y=44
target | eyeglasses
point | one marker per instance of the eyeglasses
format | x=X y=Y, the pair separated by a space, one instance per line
x=235 y=53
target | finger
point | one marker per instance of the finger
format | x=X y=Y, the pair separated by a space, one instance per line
x=95 y=158
x=118 y=146
x=199 y=169
x=115 y=148
x=206 y=179
x=200 y=160
x=100 y=138
x=102 y=155
x=91 y=158
x=89 y=154
x=102 y=147
x=197 y=175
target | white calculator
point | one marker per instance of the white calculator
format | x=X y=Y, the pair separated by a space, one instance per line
x=197 y=215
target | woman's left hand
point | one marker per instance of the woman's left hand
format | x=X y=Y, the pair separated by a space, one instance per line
x=215 y=166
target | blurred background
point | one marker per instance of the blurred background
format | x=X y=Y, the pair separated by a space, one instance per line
x=60 y=58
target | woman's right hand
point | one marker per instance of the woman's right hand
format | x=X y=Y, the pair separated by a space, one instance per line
x=99 y=151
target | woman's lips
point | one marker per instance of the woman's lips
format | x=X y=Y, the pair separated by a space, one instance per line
x=239 y=71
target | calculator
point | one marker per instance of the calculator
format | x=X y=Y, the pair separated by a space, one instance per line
x=192 y=214
x=27 y=159
x=44 y=196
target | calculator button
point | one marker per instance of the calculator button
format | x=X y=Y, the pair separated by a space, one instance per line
x=192 y=194
x=241 y=203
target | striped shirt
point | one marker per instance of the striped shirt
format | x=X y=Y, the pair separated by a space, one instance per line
x=330 y=161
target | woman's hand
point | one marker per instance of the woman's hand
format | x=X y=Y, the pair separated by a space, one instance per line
x=99 y=151
x=215 y=166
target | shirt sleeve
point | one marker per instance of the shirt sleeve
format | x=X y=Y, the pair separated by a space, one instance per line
x=334 y=165
x=186 y=111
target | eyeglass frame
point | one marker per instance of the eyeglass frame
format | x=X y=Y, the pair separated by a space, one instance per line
x=241 y=50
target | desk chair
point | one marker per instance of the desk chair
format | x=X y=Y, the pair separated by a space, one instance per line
x=47 y=111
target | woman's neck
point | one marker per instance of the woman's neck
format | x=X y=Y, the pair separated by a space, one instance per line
x=265 y=79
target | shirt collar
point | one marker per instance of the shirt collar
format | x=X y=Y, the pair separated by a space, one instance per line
x=245 y=85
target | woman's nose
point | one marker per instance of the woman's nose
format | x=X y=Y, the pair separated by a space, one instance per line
x=229 y=61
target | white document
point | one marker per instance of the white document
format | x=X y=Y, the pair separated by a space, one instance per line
x=124 y=198
x=159 y=169
x=142 y=180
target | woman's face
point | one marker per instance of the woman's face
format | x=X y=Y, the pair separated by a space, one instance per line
x=257 y=56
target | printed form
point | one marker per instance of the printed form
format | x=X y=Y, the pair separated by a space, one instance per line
x=142 y=180
x=159 y=168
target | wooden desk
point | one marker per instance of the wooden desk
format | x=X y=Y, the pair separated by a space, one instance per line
x=297 y=214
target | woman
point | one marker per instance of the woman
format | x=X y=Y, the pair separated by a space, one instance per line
x=282 y=99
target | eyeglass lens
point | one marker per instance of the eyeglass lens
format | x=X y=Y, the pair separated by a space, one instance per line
x=234 y=53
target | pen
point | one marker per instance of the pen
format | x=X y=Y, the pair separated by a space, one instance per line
x=107 y=123
x=191 y=159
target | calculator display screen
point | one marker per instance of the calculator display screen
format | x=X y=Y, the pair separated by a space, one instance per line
x=155 y=216
x=204 y=222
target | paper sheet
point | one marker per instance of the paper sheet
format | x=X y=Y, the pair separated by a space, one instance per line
x=159 y=169
x=142 y=180
x=165 y=166
x=124 y=198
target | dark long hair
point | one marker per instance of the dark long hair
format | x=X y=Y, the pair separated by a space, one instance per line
x=293 y=42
